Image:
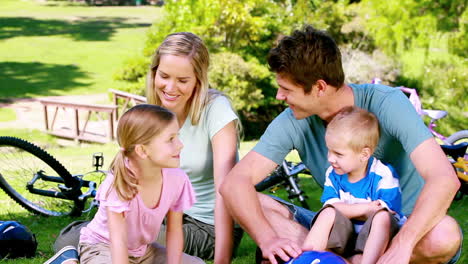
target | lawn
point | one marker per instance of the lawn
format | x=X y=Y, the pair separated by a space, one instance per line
x=61 y=50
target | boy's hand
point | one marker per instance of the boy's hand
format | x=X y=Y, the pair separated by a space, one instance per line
x=373 y=207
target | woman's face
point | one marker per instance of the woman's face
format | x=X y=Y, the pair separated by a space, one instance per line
x=174 y=82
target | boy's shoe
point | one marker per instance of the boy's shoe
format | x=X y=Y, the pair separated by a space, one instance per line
x=65 y=254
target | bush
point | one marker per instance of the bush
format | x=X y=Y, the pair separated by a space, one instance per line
x=444 y=87
x=362 y=67
x=133 y=69
x=237 y=78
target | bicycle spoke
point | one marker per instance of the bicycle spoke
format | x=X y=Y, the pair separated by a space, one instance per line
x=18 y=167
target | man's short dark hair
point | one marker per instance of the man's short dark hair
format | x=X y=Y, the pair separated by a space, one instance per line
x=307 y=56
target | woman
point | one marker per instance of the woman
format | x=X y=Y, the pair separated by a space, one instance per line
x=178 y=81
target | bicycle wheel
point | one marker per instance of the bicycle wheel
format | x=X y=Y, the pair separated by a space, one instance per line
x=19 y=162
x=457 y=138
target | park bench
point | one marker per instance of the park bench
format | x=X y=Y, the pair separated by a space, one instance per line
x=101 y=131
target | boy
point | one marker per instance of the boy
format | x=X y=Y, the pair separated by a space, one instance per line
x=359 y=190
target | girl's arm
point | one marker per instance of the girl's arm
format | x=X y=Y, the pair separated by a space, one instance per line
x=224 y=144
x=174 y=237
x=118 y=237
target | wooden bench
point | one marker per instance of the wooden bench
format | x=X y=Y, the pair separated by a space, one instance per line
x=129 y=100
x=74 y=130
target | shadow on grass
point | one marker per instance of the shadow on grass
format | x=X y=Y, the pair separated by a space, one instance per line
x=29 y=79
x=81 y=29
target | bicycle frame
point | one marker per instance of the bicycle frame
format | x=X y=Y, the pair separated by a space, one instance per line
x=286 y=175
x=433 y=114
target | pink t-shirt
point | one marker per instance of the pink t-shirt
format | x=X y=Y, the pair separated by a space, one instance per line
x=143 y=223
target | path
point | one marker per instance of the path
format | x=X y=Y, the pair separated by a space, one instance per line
x=30 y=113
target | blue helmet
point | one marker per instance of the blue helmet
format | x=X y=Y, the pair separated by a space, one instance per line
x=16 y=240
x=315 y=257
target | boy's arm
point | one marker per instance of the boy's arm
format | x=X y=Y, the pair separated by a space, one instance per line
x=331 y=196
x=118 y=237
x=359 y=211
x=174 y=237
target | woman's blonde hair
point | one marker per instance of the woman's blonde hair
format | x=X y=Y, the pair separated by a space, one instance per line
x=188 y=45
x=357 y=126
x=137 y=126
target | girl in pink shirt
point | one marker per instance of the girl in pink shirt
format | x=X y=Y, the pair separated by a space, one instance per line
x=143 y=187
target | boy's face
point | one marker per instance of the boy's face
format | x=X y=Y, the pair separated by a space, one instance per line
x=342 y=158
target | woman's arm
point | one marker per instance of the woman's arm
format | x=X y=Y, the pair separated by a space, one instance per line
x=174 y=237
x=224 y=144
x=118 y=237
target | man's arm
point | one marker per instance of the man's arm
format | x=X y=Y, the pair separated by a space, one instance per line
x=440 y=187
x=240 y=197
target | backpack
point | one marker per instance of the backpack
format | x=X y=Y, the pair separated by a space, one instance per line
x=16 y=240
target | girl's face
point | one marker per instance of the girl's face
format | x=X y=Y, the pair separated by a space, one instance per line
x=174 y=82
x=164 y=149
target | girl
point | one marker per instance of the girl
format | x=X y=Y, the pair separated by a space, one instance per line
x=144 y=186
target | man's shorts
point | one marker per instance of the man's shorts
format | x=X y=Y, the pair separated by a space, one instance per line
x=304 y=217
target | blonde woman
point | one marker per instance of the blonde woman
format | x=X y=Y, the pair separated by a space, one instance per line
x=178 y=81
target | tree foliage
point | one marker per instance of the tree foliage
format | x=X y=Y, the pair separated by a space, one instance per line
x=377 y=38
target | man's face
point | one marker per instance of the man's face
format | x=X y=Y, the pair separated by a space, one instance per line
x=302 y=104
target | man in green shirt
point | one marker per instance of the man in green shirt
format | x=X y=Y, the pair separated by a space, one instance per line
x=311 y=81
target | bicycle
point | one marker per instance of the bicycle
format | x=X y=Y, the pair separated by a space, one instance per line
x=454 y=139
x=286 y=176
x=42 y=185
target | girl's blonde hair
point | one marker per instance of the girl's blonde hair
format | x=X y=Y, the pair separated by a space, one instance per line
x=357 y=126
x=188 y=45
x=137 y=126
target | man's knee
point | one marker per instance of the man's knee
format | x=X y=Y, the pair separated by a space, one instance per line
x=441 y=243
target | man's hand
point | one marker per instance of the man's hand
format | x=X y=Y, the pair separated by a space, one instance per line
x=398 y=252
x=281 y=247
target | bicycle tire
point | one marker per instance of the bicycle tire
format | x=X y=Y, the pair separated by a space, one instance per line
x=19 y=161
x=457 y=138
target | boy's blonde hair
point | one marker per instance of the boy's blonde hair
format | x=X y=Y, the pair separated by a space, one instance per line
x=357 y=126
x=137 y=126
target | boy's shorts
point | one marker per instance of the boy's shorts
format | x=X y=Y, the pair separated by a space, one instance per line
x=343 y=239
x=304 y=217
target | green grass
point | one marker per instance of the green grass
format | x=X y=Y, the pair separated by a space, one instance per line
x=61 y=50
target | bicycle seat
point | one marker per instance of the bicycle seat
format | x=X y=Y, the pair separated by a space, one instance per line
x=435 y=114
x=455 y=151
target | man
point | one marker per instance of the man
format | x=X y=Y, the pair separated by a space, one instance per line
x=311 y=81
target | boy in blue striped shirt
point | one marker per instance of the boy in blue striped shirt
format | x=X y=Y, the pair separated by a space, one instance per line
x=360 y=192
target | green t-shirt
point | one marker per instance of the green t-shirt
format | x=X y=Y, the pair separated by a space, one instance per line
x=196 y=158
x=402 y=130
